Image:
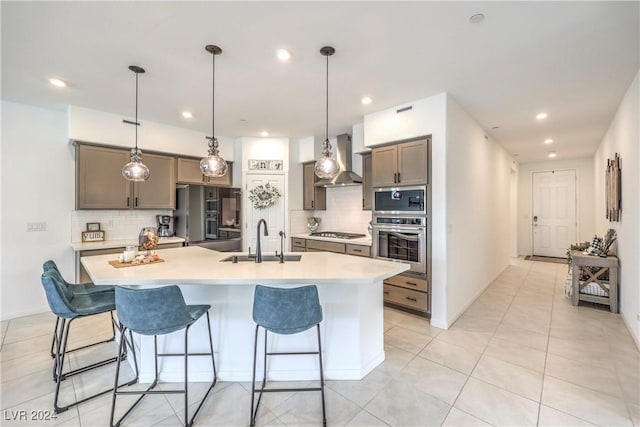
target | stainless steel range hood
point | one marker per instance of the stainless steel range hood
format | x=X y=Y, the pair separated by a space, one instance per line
x=343 y=156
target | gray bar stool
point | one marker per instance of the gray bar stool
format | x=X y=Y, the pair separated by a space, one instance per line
x=160 y=311
x=68 y=306
x=285 y=311
x=78 y=289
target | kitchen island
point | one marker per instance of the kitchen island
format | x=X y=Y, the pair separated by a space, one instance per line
x=350 y=290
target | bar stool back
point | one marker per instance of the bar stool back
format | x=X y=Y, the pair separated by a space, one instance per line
x=285 y=311
x=160 y=311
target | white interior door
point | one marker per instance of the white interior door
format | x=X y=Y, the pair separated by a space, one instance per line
x=554 y=212
x=273 y=215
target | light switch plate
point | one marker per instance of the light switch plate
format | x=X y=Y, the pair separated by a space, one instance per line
x=36 y=226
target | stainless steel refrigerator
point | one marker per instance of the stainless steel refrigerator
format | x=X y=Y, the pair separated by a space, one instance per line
x=208 y=216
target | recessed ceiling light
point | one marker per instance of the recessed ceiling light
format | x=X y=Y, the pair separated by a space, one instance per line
x=552 y=154
x=187 y=115
x=58 y=82
x=548 y=141
x=541 y=116
x=264 y=133
x=477 y=18
x=283 y=55
x=366 y=100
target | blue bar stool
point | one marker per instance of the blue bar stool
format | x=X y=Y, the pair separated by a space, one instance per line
x=79 y=289
x=159 y=311
x=68 y=306
x=285 y=311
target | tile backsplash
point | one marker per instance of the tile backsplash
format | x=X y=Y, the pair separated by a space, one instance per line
x=344 y=213
x=117 y=224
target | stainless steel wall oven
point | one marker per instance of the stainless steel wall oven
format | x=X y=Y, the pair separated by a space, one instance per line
x=401 y=239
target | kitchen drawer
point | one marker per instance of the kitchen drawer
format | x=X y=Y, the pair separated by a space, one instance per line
x=169 y=245
x=358 y=250
x=408 y=282
x=406 y=297
x=319 y=245
x=296 y=241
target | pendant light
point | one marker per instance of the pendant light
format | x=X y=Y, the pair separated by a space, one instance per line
x=213 y=164
x=135 y=170
x=327 y=167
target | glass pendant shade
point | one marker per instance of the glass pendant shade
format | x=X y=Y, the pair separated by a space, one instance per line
x=213 y=165
x=327 y=167
x=135 y=170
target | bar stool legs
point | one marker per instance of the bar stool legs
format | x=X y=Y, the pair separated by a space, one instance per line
x=187 y=421
x=263 y=389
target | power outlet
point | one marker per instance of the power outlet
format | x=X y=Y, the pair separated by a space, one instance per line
x=36 y=226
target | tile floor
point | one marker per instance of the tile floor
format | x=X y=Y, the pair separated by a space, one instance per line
x=521 y=355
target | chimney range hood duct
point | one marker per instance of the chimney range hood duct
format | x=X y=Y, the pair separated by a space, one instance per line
x=343 y=156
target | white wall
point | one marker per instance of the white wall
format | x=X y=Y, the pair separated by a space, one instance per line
x=623 y=137
x=105 y=128
x=478 y=192
x=37 y=185
x=584 y=191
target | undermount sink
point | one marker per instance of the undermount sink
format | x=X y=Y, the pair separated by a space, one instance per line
x=265 y=258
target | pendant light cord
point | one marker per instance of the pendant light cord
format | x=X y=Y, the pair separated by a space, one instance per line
x=327 y=106
x=213 y=100
x=137 y=124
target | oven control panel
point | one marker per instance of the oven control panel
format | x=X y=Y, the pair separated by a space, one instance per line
x=392 y=220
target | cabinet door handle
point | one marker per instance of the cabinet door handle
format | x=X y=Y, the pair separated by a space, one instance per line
x=395 y=175
x=411 y=283
x=386 y=292
x=312 y=204
x=136 y=202
x=412 y=299
x=402 y=110
x=127 y=200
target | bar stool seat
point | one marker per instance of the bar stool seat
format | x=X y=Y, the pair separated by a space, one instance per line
x=68 y=307
x=153 y=312
x=285 y=311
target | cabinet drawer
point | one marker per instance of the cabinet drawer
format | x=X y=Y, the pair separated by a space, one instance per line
x=408 y=282
x=296 y=241
x=320 y=245
x=358 y=250
x=413 y=299
x=170 y=245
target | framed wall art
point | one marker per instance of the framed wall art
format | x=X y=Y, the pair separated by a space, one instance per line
x=613 y=189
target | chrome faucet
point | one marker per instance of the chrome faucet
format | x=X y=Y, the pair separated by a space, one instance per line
x=266 y=233
x=281 y=256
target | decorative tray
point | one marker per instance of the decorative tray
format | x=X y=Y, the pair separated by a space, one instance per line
x=118 y=264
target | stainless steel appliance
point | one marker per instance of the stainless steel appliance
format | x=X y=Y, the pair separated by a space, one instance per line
x=402 y=239
x=164 y=225
x=200 y=213
x=400 y=200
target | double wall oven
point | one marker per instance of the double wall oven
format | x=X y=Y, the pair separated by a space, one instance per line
x=400 y=227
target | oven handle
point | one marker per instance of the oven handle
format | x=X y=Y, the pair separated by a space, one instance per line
x=398 y=231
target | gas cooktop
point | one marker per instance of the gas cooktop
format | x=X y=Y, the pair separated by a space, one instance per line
x=337 y=235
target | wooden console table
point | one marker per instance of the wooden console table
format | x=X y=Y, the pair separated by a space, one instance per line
x=580 y=264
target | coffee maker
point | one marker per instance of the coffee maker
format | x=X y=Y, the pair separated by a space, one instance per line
x=164 y=225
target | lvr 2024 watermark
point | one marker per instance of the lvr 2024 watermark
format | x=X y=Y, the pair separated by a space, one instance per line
x=28 y=415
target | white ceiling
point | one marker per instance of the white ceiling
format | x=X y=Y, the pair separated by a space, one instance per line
x=573 y=60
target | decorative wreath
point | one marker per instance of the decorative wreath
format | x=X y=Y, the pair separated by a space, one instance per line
x=264 y=196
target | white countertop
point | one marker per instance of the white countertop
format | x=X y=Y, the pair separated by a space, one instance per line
x=366 y=241
x=200 y=266
x=110 y=244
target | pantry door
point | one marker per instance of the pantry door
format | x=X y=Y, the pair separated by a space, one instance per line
x=554 y=212
x=273 y=215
